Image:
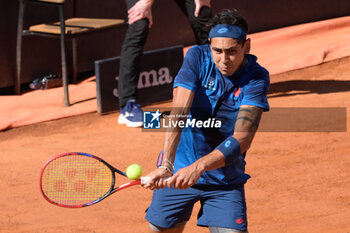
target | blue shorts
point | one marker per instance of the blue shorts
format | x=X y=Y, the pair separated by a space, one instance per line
x=220 y=206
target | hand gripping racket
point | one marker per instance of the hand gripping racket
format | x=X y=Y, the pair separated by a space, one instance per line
x=78 y=179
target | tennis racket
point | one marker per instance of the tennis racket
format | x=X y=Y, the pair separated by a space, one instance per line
x=77 y=180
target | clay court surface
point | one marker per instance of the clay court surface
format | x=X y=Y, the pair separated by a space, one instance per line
x=300 y=181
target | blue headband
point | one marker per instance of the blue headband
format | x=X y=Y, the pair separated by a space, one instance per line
x=230 y=31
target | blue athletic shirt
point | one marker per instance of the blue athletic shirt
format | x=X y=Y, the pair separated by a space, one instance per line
x=220 y=97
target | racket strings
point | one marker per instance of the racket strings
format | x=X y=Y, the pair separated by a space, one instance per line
x=76 y=180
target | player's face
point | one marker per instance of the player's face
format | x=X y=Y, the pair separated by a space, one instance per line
x=228 y=54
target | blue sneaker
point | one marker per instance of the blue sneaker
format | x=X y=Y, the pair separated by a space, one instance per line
x=131 y=114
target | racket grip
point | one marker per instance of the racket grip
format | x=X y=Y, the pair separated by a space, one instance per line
x=145 y=179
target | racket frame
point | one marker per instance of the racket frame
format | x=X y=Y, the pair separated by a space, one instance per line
x=112 y=189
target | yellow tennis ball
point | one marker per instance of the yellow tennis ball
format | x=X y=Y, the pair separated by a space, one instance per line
x=134 y=171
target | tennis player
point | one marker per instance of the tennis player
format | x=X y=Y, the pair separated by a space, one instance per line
x=220 y=81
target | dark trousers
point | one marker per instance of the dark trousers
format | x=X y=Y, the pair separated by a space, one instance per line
x=135 y=39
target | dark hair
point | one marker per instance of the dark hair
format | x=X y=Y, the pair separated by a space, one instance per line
x=230 y=17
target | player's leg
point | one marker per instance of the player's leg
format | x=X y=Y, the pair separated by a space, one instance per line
x=171 y=209
x=225 y=230
x=178 y=228
x=130 y=63
x=223 y=209
x=197 y=23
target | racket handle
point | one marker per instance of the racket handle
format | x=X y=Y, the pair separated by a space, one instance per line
x=145 y=179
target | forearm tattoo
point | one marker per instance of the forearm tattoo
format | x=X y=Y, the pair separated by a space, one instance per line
x=248 y=119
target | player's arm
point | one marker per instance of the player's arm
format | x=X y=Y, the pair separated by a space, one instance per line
x=182 y=102
x=246 y=125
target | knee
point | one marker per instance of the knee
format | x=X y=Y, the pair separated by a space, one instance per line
x=177 y=228
x=224 y=230
x=157 y=228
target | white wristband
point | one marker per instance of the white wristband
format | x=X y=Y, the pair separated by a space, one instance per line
x=168 y=161
x=167 y=168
